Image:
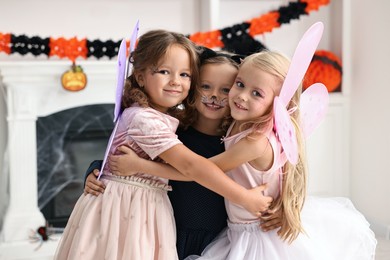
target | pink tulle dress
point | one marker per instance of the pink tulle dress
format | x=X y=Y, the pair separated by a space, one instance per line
x=334 y=228
x=133 y=218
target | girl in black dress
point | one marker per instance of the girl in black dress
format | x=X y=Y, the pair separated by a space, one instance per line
x=199 y=212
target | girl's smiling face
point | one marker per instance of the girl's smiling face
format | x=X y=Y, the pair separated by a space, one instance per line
x=253 y=93
x=212 y=98
x=169 y=83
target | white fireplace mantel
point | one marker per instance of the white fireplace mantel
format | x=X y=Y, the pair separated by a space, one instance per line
x=33 y=89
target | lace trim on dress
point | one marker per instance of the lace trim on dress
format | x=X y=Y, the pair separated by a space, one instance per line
x=250 y=226
x=140 y=182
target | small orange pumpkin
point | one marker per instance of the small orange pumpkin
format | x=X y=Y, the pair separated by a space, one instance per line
x=74 y=79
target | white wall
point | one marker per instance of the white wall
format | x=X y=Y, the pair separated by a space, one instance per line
x=3 y=143
x=370 y=119
x=104 y=19
x=114 y=19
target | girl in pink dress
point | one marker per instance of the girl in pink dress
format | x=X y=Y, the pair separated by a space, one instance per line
x=320 y=229
x=133 y=218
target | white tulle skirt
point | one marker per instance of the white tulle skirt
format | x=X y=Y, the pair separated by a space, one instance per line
x=334 y=229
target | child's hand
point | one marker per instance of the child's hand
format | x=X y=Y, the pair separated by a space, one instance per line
x=125 y=164
x=271 y=220
x=257 y=202
x=93 y=185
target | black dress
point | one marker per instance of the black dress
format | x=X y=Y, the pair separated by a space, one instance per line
x=199 y=212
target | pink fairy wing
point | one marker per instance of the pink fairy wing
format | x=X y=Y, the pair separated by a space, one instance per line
x=108 y=149
x=122 y=72
x=133 y=42
x=301 y=60
x=285 y=130
x=313 y=105
x=299 y=63
x=121 y=68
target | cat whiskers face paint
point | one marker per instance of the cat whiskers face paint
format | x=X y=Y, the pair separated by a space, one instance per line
x=214 y=102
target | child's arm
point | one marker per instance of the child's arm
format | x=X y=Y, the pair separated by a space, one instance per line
x=130 y=163
x=121 y=165
x=210 y=176
x=245 y=150
x=91 y=184
x=195 y=168
x=96 y=164
x=272 y=220
x=255 y=149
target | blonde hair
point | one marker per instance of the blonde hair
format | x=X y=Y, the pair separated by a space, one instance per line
x=294 y=187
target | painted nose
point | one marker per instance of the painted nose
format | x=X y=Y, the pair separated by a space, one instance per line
x=214 y=94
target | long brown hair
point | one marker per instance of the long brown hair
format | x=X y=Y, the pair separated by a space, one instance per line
x=151 y=48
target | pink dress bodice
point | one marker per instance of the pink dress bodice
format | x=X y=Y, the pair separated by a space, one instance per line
x=148 y=132
x=249 y=177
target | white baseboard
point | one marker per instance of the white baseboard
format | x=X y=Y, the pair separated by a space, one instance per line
x=26 y=250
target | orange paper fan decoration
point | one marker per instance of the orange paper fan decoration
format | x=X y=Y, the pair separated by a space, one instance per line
x=314 y=5
x=71 y=48
x=325 y=68
x=210 y=39
x=5 y=42
x=264 y=23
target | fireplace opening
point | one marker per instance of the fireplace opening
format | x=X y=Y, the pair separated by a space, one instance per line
x=67 y=142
